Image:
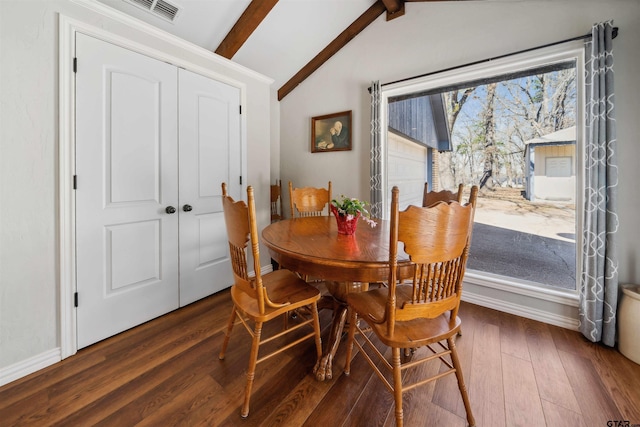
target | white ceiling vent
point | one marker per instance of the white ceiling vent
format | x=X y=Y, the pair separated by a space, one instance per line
x=160 y=8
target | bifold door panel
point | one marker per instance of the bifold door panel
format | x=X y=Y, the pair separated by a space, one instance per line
x=209 y=135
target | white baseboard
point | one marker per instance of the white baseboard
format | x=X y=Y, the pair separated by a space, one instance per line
x=521 y=310
x=29 y=366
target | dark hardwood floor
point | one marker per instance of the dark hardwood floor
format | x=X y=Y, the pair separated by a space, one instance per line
x=166 y=372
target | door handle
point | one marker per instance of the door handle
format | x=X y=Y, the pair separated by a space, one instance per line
x=170 y=210
x=187 y=208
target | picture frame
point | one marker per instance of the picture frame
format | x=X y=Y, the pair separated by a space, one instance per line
x=331 y=132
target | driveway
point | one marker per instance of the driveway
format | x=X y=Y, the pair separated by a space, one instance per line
x=529 y=241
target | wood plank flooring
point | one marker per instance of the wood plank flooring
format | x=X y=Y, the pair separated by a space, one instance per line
x=166 y=373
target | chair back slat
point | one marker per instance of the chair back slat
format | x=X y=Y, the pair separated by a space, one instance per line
x=240 y=271
x=309 y=201
x=430 y=198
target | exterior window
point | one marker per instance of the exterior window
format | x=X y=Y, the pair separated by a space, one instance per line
x=558 y=167
x=517 y=135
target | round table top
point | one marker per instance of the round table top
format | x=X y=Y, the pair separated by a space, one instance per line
x=313 y=246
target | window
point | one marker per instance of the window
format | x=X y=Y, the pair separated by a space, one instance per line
x=558 y=167
x=515 y=129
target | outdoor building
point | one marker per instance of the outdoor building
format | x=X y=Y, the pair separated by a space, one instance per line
x=551 y=166
x=418 y=130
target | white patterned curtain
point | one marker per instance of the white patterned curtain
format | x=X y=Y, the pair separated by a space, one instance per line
x=599 y=276
x=376 y=152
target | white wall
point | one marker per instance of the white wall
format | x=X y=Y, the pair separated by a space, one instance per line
x=29 y=197
x=436 y=36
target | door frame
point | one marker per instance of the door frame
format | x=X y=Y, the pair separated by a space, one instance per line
x=68 y=27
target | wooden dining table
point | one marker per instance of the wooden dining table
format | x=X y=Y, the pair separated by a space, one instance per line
x=312 y=246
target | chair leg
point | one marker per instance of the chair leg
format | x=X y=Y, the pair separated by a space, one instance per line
x=350 y=337
x=251 y=371
x=232 y=320
x=316 y=328
x=461 y=386
x=397 y=384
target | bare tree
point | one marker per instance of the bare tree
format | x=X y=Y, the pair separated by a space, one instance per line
x=455 y=100
x=489 y=123
x=543 y=102
x=489 y=143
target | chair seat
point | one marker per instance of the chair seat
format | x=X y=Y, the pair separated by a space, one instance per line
x=283 y=286
x=410 y=333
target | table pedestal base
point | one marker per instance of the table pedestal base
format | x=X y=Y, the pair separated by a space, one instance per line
x=338 y=300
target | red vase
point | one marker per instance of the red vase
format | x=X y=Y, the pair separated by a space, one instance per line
x=345 y=225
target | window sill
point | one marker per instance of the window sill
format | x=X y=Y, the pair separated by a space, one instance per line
x=553 y=306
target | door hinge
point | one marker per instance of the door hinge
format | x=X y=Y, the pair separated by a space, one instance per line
x=75 y=65
x=75 y=299
x=75 y=182
x=240 y=179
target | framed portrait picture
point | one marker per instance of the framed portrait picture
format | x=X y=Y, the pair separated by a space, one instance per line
x=331 y=132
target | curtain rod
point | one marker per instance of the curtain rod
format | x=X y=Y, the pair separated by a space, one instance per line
x=614 y=34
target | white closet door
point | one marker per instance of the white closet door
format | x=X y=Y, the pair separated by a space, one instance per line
x=127 y=176
x=210 y=153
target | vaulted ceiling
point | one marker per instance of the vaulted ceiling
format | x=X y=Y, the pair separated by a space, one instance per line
x=286 y=40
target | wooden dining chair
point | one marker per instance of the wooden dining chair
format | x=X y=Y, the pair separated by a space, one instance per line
x=422 y=313
x=276 y=201
x=309 y=201
x=430 y=198
x=260 y=298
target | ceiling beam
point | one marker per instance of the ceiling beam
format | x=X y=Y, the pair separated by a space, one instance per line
x=395 y=8
x=245 y=26
x=432 y=1
x=338 y=43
